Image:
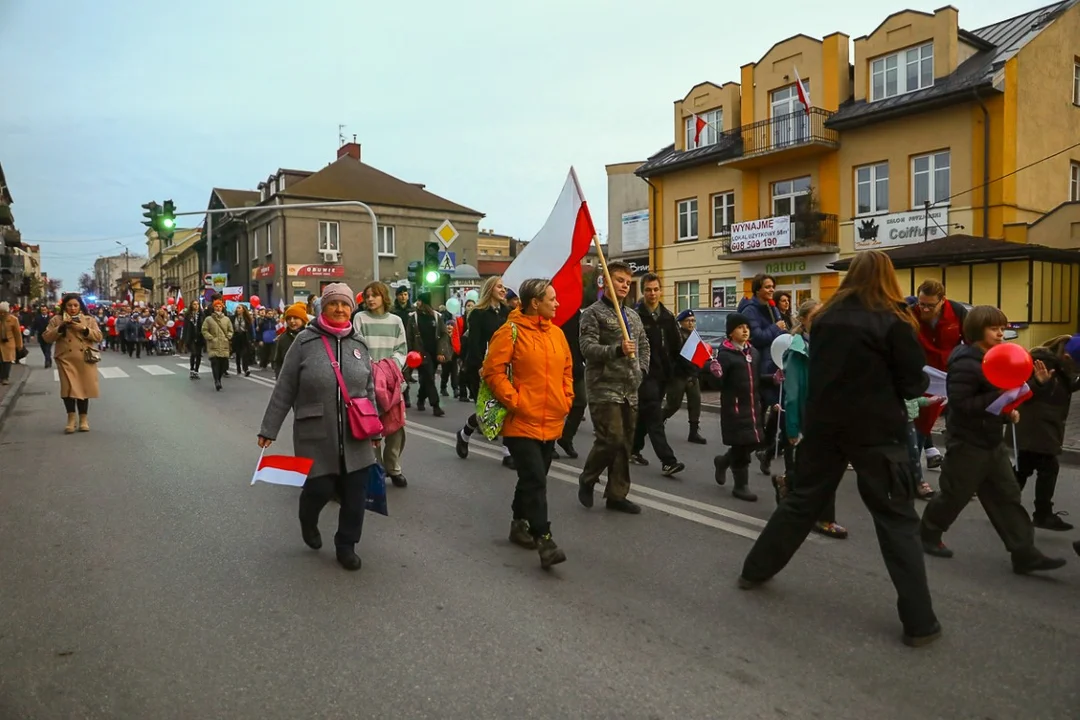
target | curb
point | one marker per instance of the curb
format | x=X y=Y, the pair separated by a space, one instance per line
x=11 y=396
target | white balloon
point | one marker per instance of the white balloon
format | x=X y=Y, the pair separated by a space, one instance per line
x=26 y=332
x=170 y=324
x=472 y=295
x=453 y=306
x=779 y=347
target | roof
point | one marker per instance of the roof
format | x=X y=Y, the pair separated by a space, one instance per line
x=669 y=159
x=237 y=198
x=967 y=250
x=997 y=42
x=5 y=194
x=350 y=179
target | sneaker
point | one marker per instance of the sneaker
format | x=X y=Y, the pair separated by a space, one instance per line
x=519 y=534
x=437 y=411
x=937 y=549
x=830 y=529
x=916 y=640
x=462 y=445
x=624 y=506
x=1051 y=521
x=637 y=459
x=1035 y=561
x=550 y=554
x=672 y=468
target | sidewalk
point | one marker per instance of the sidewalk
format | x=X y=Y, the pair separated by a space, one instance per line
x=710 y=402
x=10 y=393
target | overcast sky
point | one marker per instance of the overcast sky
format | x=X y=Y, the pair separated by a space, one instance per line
x=108 y=104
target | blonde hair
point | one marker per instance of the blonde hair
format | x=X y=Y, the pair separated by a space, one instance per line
x=805 y=311
x=487 y=294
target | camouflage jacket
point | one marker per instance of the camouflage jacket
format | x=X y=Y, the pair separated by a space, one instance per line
x=611 y=377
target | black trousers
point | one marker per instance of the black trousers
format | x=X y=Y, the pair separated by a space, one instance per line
x=1046 y=469
x=791 y=470
x=243 y=357
x=677 y=388
x=71 y=405
x=46 y=350
x=448 y=372
x=887 y=487
x=5 y=370
x=195 y=361
x=218 y=366
x=739 y=456
x=470 y=378
x=427 y=391
x=650 y=422
x=533 y=460
x=351 y=490
x=573 y=422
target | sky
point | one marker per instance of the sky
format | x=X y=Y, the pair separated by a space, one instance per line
x=113 y=103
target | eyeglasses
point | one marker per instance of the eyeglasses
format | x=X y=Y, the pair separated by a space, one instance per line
x=929 y=306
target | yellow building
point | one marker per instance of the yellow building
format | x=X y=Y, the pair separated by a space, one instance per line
x=927 y=130
x=160 y=255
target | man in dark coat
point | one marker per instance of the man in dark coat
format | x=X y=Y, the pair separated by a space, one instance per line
x=426 y=334
x=766 y=325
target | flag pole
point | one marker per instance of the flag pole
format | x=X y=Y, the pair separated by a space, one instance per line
x=608 y=284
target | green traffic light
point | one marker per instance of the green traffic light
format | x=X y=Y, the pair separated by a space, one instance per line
x=431 y=277
x=168 y=222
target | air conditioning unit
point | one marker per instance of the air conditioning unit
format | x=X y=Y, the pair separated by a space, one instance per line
x=331 y=256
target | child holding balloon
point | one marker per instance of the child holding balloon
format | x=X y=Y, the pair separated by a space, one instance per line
x=985 y=384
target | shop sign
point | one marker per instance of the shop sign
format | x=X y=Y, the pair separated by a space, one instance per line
x=216 y=281
x=320 y=271
x=299 y=284
x=767 y=234
x=809 y=265
x=635 y=230
x=262 y=272
x=902 y=228
x=638 y=266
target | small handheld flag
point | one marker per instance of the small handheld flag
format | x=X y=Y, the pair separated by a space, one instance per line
x=696 y=350
x=282 y=469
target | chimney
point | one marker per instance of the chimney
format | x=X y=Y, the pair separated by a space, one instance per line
x=351 y=149
x=419 y=185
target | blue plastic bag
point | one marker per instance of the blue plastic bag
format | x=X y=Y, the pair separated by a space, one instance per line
x=376 y=490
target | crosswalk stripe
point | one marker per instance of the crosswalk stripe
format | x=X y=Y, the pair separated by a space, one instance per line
x=56 y=375
x=156 y=370
x=112 y=373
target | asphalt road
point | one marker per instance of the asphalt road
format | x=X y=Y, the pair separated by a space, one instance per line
x=141 y=576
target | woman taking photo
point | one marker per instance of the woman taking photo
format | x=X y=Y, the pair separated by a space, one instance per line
x=530 y=371
x=309 y=386
x=76 y=336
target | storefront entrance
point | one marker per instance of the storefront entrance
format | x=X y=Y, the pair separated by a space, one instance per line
x=801 y=288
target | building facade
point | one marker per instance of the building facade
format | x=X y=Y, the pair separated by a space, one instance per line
x=109 y=270
x=12 y=261
x=629 y=231
x=924 y=131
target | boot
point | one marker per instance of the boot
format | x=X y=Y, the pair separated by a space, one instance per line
x=721 y=464
x=70 y=427
x=1032 y=560
x=742 y=485
x=84 y=423
x=550 y=554
x=695 y=436
x=519 y=534
x=348 y=559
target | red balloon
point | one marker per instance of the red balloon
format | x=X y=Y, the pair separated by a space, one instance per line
x=255 y=301
x=1007 y=366
x=171 y=301
x=414 y=359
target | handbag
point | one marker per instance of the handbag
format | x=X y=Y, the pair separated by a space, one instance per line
x=363 y=417
x=375 y=501
x=490 y=413
x=91 y=355
x=21 y=353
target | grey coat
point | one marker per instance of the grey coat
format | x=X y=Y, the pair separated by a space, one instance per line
x=610 y=376
x=307 y=385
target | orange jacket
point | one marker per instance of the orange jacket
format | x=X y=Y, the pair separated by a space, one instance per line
x=539 y=398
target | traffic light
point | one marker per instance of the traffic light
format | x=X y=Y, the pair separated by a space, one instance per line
x=153 y=211
x=167 y=224
x=415 y=269
x=431 y=264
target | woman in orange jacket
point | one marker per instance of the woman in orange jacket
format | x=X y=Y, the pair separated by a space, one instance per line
x=530 y=371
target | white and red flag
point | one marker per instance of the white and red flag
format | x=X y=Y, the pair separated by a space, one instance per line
x=699 y=125
x=557 y=250
x=282 y=470
x=804 y=95
x=696 y=350
x=1010 y=400
x=179 y=300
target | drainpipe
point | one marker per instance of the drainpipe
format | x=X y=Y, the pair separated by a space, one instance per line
x=986 y=164
x=652 y=226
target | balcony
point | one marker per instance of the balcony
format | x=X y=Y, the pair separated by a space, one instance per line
x=809 y=233
x=782 y=138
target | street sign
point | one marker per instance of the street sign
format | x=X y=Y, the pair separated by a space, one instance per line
x=447 y=261
x=446 y=233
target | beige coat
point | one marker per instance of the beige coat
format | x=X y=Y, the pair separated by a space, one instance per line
x=10 y=338
x=78 y=379
x=217 y=329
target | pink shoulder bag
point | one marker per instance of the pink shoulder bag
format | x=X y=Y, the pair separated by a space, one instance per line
x=363 y=416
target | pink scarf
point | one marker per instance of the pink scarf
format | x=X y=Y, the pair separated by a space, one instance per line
x=342 y=330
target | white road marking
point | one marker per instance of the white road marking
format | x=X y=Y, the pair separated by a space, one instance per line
x=111 y=373
x=156 y=370
x=56 y=375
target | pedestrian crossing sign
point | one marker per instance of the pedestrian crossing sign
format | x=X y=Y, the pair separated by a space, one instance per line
x=447 y=261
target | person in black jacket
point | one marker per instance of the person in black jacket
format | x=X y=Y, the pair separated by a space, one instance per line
x=766 y=324
x=663 y=334
x=976 y=458
x=865 y=360
x=193 y=338
x=686 y=381
x=571 y=329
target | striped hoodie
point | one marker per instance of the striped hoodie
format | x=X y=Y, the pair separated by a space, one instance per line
x=385 y=335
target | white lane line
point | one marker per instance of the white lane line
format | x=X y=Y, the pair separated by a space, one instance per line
x=112 y=373
x=261 y=381
x=156 y=370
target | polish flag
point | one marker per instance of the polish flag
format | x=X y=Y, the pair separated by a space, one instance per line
x=282 y=470
x=557 y=250
x=179 y=300
x=804 y=96
x=281 y=305
x=1010 y=400
x=696 y=350
x=699 y=125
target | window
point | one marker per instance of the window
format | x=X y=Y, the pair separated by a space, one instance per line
x=710 y=134
x=237 y=253
x=1074 y=182
x=872 y=189
x=688 y=219
x=273 y=186
x=255 y=246
x=902 y=72
x=269 y=241
x=790 y=123
x=1076 y=83
x=725 y=293
x=930 y=179
x=723 y=213
x=328 y=236
x=281 y=183
x=790 y=196
x=686 y=295
x=387 y=241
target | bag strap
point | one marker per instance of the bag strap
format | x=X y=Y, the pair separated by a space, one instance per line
x=337 y=369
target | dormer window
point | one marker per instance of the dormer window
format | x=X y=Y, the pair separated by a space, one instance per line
x=710 y=133
x=273 y=186
x=902 y=72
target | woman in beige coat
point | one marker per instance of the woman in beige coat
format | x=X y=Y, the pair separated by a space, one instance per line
x=11 y=342
x=75 y=332
x=217 y=330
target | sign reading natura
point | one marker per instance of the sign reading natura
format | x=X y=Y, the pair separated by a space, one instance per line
x=766 y=234
x=902 y=228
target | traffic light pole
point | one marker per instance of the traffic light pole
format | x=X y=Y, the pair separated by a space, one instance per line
x=297 y=206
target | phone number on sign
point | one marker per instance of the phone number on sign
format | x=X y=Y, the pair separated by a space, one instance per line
x=755 y=243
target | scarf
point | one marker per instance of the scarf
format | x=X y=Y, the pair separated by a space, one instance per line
x=343 y=330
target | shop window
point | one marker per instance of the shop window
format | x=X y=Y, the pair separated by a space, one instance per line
x=872 y=189
x=710 y=134
x=688 y=223
x=725 y=293
x=1074 y=182
x=930 y=179
x=723 y=213
x=790 y=196
x=687 y=295
x=902 y=72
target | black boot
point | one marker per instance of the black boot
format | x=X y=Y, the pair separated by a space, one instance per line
x=348 y=558
x=721 y=464
x=311 y=536
x=695 y=436
x=742 y=485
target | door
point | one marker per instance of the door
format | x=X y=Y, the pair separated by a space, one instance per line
x=789 y=120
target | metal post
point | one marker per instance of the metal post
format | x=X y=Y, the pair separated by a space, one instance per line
x=926 y=223
x=209 y=242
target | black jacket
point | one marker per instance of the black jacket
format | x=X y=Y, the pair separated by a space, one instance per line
x=572 y=329
x=664 y=342
x=970 y=393
x=1043 y=417
x=741 y=413
x=863 y=365
x=480 y=325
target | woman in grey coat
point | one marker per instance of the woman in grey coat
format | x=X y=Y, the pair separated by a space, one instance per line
x=308 y=386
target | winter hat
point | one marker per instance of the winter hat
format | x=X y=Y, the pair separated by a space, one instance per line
x=297 y=310
x=1072 y=348
x=736 y=320
x=685 y=315
x=341 y=292
x=510 y=294
x=424 y=297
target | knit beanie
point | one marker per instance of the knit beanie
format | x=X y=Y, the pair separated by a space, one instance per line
x=297 y=310
x=424 y=297
x=341 y=292
x=736 y=320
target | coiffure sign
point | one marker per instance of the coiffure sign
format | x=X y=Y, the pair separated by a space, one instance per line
x=902 y=228
x=767 y=234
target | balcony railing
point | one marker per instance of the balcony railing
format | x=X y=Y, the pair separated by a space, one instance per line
x=784 y=131
x=808 y=230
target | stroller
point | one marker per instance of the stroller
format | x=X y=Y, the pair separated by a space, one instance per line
x=164 y=344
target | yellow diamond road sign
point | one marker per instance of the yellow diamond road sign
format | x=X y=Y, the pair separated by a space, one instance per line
x=447 y=233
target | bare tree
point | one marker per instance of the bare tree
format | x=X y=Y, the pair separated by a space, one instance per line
x=88 y=284
x=53 y=289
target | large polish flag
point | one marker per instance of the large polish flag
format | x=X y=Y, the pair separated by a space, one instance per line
x=179 y=300
x=282 y=470
x=557 y=250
